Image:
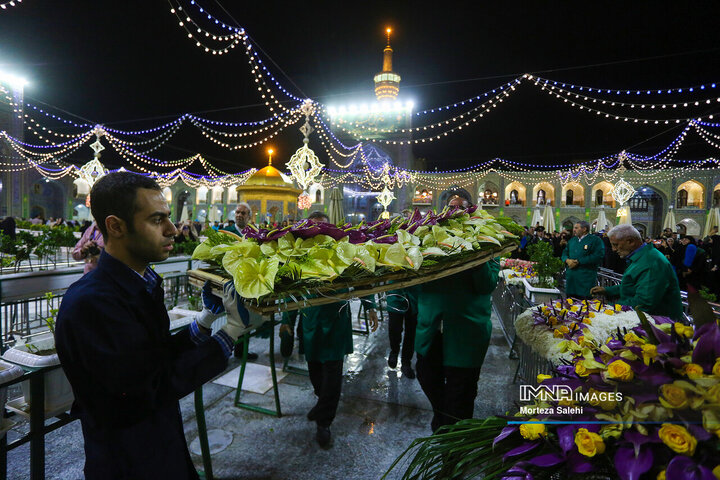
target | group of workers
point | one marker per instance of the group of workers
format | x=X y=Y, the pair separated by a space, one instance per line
x=128 y=372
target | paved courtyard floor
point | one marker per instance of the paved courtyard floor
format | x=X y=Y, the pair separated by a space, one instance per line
x=381 y=412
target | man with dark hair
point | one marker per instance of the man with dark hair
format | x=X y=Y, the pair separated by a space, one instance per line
x=327 y=338
x=126 y=370
x=583 y=255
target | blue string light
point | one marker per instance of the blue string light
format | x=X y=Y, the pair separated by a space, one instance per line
x=81 y=138
x=583 y=88
x=60 y=119
x=461 y=103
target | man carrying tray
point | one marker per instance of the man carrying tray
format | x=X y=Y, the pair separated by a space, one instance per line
x=327 y=338
x=453 y=334
x=126 y=370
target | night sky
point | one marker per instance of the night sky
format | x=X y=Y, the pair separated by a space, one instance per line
x=128 y=65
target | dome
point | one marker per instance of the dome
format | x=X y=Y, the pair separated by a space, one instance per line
x=268 y=176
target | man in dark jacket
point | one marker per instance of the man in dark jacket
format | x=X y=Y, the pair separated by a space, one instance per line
x=127 y=372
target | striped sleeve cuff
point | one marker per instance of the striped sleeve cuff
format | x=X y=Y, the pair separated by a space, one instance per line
x=196 y=335
x=226 y=342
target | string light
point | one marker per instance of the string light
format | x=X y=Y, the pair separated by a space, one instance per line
x=11 y=3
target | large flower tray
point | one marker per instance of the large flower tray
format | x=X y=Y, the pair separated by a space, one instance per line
x=345 y=289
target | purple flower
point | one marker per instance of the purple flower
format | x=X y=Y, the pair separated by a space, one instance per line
x=707 y=348
x=631 y=463
x=684 y=468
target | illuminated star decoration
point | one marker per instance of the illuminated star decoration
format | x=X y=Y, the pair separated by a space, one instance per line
x=622 y=191
x=385 y=198
x=304 y=165
x=93 y=170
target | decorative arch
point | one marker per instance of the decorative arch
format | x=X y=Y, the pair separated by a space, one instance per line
x=569 y=222
x=217 y=194
x=488 y=193
x=716 y=196
x=516 y=198
x=202 y=193
x=451 y=192
x=232 y=194
x=317 y=193
x=543 y=193
x=642 y=228
x=574 y=193
x=690 y=194
x=604 y=197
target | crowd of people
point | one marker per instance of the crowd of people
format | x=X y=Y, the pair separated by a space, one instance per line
x=695 y=260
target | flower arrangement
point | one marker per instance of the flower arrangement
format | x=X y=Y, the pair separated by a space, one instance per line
x=545 y=327
x=514 y=270
x=302 y=255
x=643 y=405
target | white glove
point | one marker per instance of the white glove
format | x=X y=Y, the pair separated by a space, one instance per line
x=238 y=318
x=212 y=308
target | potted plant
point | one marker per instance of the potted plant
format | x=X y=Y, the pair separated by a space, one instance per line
x=545 y=267
x=40 y=352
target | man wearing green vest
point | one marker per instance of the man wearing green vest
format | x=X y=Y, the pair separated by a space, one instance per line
x=583 y=255
x=649 y=282
x=452 y=337
x=327 y=338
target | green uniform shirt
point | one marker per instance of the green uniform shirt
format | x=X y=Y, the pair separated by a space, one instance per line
x=327 y=330
x=589 y=252
x=461 y=303
x=404 y=300
x=649 y=284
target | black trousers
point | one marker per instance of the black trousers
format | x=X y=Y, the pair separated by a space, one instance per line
x=395 y=332
x=326 y=379
x=451 y=390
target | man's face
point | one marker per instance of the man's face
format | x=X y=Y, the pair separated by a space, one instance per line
x=671 y=241
x=456 y=202
x=684 y=241
x=578 y=230
x=623 y=247
x=242 y=216
x=541 y=234
x=152 y=240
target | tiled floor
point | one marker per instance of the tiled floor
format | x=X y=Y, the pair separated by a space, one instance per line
x=380 y=413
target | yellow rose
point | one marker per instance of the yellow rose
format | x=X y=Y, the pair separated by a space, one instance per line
x=672 y=396
x=574 y=308
x=619 y=370
x=716 y=472
x=683 y=330
x=542 y=377
x=649 y=352
x=678 y=439
x=591 y=314
x=692 y=370
x=661 y=475
x=587 y=320
x=716 y=368
x=589 y=443
x=630 y=337
x=581 y=370
x=532 y=431
x=609 y=312
x=618 y=307
x=552 y=320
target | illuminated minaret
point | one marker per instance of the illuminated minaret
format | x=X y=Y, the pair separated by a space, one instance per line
x=387 y=82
